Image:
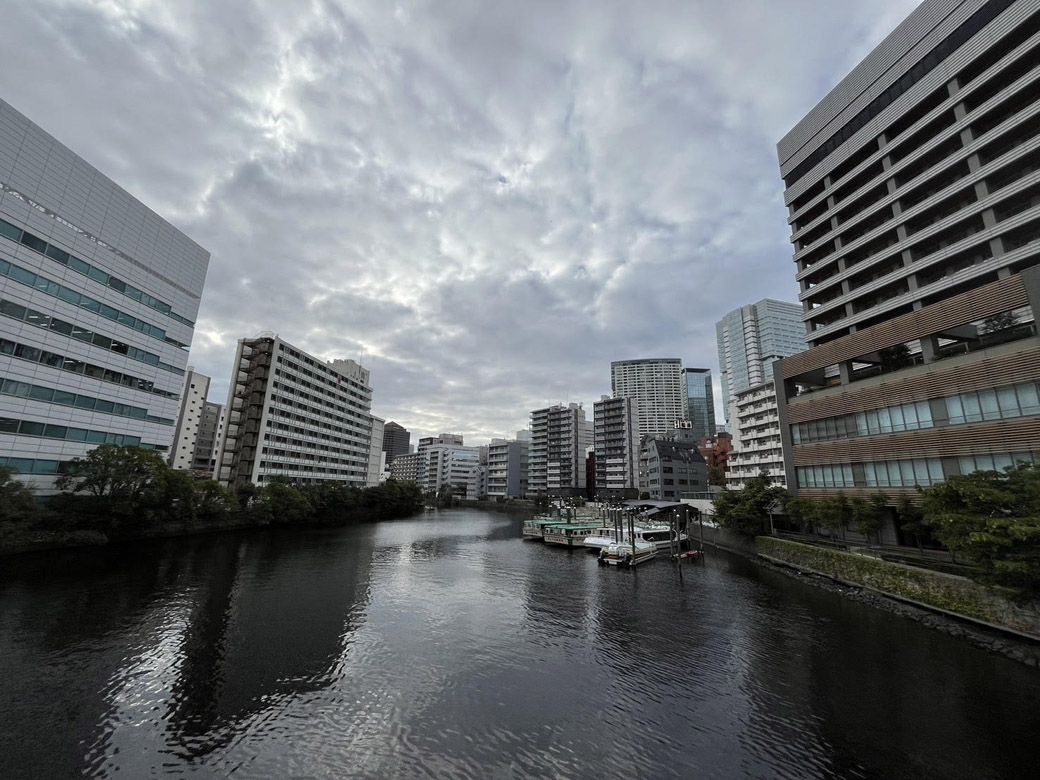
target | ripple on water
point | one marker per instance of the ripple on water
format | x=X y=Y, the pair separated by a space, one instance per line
x=449 y=647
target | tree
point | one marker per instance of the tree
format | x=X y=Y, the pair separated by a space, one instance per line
x=802 y=513
x=119 y=473
x=16 y=500
x=999 y=322
x=119 y=481
x=911 y=520
x=717 y=475
x=993 y=519
x=746 y=511
x=869 y=515
x=213 y=501
x=834 y=514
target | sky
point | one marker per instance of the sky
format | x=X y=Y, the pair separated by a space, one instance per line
x=485 y=202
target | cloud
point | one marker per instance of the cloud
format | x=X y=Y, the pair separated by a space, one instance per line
x=486 y=202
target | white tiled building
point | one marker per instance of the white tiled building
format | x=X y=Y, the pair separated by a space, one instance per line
x=757 y=445
x=189 y=420
x=616 y=440
x=98 y=297
x=560 y=436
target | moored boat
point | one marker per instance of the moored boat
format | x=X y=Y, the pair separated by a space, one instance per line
x=535 y=527
x=627 y=553
x=569 y=534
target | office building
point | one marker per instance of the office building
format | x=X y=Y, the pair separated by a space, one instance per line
x=914 y=196
x=396 y=440
x=752 y=338
x=616 y=441
x=451 y=466
x=700 y=402
x=560 y=436
x=757 y=447
x=292 y=415
x=98 y=298
x=670 y=469
x=507 y=467
x=659 y=387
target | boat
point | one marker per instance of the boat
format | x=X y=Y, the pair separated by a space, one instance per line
x=627 y=553
x=658 y=535
x=569 y=534
x=535 y=527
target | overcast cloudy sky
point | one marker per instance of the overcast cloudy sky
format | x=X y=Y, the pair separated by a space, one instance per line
x=486 y=201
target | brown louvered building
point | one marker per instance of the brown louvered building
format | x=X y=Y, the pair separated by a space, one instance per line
x=914 y=198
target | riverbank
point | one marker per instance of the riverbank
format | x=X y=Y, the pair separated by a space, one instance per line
x=45 y=541
x=994 y=639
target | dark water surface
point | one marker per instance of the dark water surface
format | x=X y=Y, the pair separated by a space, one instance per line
x=446 y=646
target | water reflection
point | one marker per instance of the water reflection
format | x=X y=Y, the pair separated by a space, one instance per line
x=446 y=645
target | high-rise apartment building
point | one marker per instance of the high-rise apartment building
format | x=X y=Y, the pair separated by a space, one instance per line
x=189 y=419
x=700 y=402
x=507 y=467
x=556 y=459
x=376 y=454
x=752 y=338
x=405 y=468
x=659 y=387
x=914 y=196
x=396 y=440
x=292 y=415
x=98 y=298
x=207 y=442
x=616 y=440
x=757 y=446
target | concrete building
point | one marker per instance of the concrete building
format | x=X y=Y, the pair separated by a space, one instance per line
x=397 y=440
x=752 y=338
x=560 y=436
x=376 y=454
x=616 y=442
x=913 y=190
x=757 y=446
x=670 y=468
x=189 y=420
x=98 y=298
x=700 y=402
x=292 y=415
x=405 y=468
x=207 y=442
x=426 y=479
x=659 y=385
x=454 y=466
x=507 y=467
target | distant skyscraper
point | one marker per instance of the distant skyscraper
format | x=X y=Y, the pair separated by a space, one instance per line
x=753 y=337
x=659 y=387
x=396 y=440
x=98 y=297
x=700 y=402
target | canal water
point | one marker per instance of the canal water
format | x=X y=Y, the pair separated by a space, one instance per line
x=446 y=646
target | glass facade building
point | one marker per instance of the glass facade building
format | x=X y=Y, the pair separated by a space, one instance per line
x=98 y=298
x=700 y=402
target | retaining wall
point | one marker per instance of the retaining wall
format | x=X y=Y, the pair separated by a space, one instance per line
x=946 y=592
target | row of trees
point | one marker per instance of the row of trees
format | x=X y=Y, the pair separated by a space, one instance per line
x=989 y=518
x=128 y=491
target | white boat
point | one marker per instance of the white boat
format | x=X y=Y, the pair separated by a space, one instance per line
x=627 y=553
x=658 y=535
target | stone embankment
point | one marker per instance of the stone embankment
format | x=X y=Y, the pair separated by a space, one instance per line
x=993 y=618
